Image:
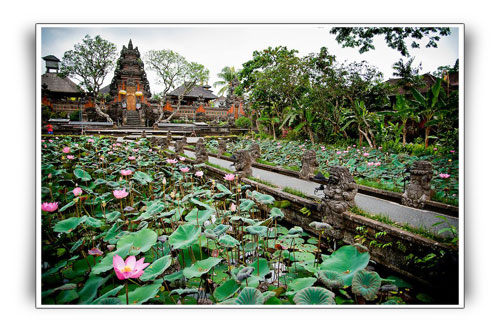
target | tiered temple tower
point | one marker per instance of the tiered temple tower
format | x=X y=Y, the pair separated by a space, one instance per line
x=129 y=88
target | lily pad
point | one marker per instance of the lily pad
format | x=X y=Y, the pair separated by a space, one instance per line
x=346 y=261
x=314 y=296
x=156 y=268
x=201 y=267
x=366 y=284
x=184 y=236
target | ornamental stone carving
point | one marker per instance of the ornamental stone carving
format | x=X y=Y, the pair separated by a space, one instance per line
x=221 y=149
x=419 y=189
x=243 y=163
x=201 y=151
x=309 y=164
x=340 y=191
x=180 y=144
x=255 y=151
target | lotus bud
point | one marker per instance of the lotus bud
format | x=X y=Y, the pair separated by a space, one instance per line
x=50 y=176
x=164 y=181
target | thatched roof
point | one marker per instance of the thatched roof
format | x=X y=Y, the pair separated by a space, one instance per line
x=194 y=93
x=58 y=84
x=428 y=80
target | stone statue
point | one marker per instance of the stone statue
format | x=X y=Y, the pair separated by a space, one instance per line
x=143 y=134
x=419 y=189
x=339 y=197
x=243 y=163
x=255 y=151
x=230 y=120
x=222 y=147
x=201 y=152
x=309 y=164
x=179 y=145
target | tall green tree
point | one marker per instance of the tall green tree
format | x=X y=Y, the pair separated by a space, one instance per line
x=90 y=62
x=173 y=70
x=227 y=76
x=429 y=104
x=408 y=74
x=395 y=37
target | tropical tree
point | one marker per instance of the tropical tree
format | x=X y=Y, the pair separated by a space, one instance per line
x=361 y=119
x=173 y=70
x=404 y=112
x=409 y=75
x=227 y=76
x=395 y=37
x=429 y=105
x=90 y=62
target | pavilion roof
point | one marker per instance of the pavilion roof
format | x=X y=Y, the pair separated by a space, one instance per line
x=59 y=84
x=195 y=92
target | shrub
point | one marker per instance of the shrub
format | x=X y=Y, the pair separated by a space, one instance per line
x=243 y=122
x=75 y=115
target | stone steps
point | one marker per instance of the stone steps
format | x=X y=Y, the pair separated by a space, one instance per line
x=133 y=119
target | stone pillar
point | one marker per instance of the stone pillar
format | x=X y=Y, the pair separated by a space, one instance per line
x=255 y=151
x=221 y=148
x=339 y=197
x=243 y=163
x=309 y=164
x=201 y=151
x=169 y=136
x=419 y=189
x=179 y=145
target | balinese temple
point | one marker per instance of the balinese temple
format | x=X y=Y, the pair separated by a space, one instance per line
x=59 y=94
x=197 y=93
x=129 y=89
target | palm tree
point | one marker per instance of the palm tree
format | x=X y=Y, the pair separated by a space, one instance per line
x=227 y=76
x=409 y=75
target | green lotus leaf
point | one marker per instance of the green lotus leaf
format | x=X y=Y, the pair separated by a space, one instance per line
x=346 y=261
x=227 y=289
x=89 y=290
x=223 y=189
x=300 y=283
x=250 y=296
x=366 y=284
x=257 y=230
x=141 y=241
x=246 y=204
x=220 y=229
x=141 y=294
x=107 y=262
x=91 y=221
x=142 y=177
x=314 y=296
x=67 y=225
x=108 y=294
x=81 y=174
x=201 y=267
x=331 y=279
x=184 y=236
x=199 y=216
x=320 y=226
x=262 y=198
x=228 y=241
x=156 y=268
x=262 y=270
x=276 y=213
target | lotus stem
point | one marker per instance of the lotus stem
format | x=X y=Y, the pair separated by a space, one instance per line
x=126 y=289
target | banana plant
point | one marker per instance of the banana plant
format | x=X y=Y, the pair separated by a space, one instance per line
x=429 y=105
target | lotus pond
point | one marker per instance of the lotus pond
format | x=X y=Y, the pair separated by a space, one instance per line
x=124 y=223
x=371 y=167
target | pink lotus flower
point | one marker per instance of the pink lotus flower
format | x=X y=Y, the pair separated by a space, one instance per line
x=77 y=191
x=452 y=151
x=366 y=154
x=49 y=176
x=95 y=252
x=76 y=145
x=130 y=268
x=90 y=140
x=150 y=150
x=50 y=141
x=435 y=149
x=172 y=161
x=377 y=164
x=339 y=152
x=110 y=152
x=199 y=174
x=118 y=144
x=131 y=158
x=229 y=177
x=354 y=145
x=182 y=158
x=370 y=164
x=70 y=157
x=43 y=141
x=232 y=207
x=119 y=194
x=444 y=175
x=66 y=149
x=184 y=169
x=126 y=172
x=49 y=207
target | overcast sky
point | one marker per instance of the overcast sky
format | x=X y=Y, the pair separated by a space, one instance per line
x=217 y=46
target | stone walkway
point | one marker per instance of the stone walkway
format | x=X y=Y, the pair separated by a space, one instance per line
x=396 y=212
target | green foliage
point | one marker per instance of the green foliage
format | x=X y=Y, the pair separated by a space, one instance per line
x=243 y=122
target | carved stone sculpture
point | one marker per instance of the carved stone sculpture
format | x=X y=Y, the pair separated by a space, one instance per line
x=255 y=151
x=230 y=120
x=340 y=191
x=180 y=144
x=222 y=147
x=201 y=152
x=419 y=189
x=143 y=134
x=309 y=164
x=243 y=163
